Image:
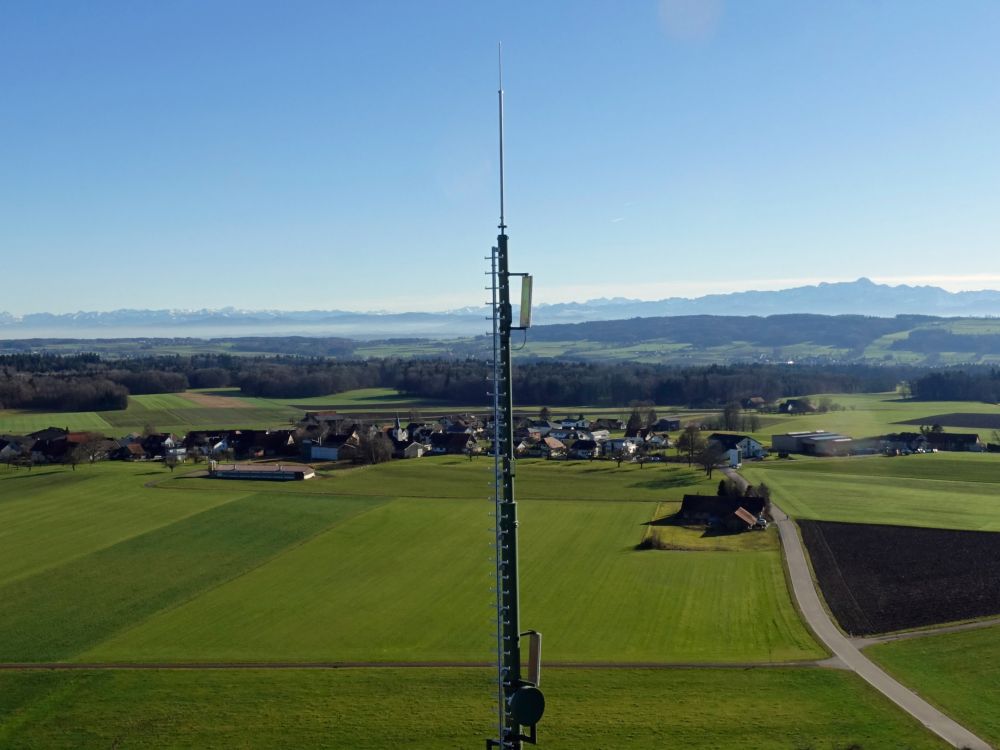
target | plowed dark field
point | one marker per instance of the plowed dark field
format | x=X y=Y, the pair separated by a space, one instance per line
x=877 y=579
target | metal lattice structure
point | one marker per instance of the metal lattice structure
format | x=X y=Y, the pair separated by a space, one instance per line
x=519 y=701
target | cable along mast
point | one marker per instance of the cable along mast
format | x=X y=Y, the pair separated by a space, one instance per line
x=520 y=703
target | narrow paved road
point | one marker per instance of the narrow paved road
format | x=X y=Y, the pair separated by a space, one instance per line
x=805 y=594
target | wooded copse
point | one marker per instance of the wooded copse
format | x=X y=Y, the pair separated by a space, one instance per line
x=89 y=382
x=958 y=385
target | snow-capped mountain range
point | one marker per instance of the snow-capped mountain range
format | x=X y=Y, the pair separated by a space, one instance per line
x=862 y=297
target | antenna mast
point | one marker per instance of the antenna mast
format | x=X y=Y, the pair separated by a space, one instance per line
x=519 y=701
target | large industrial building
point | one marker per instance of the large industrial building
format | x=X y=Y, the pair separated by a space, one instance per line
x=815 y=443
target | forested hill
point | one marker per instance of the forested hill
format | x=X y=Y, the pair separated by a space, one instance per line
x=723 y=339
x=842 y=331
x=920 y=340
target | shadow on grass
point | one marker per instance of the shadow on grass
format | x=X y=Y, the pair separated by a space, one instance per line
x=28 y=474
x=667 y=482
x=653 y=541
x=707 y=531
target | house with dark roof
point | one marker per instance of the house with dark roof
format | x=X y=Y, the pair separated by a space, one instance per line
x=128 y=451
x=49 y=433
x=50 y=450
x=796 y=406
x=607 y=424
x=954 y=441
x=334 y=447
x=902 y=442
x=746 y=445
x=667 y=424
x=453 y=443
x=585 y=449
x=713 y=509
x=160 y=444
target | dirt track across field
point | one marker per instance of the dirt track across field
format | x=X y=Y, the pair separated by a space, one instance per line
x=975 y=625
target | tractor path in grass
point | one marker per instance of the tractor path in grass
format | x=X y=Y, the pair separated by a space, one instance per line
x=817 y=618
x=975 y=625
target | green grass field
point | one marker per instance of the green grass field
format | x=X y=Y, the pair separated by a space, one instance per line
x=669 y=535
x=940 y=490
x=167 y=412
x=374 y=709
x=199 y=575
x=583 y=585
x=870 y=414
x=53 y=515
x=959 y=672
x=127 y=563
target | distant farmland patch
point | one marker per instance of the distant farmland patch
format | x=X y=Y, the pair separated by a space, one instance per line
x=879 y=578
x=215 y=401
x=960 y=419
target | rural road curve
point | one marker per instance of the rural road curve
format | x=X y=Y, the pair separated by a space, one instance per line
x=812 y=610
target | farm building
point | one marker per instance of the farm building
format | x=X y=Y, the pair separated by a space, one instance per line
x=584 y=449
x=334 y=447
x=128 y=451
x=329 y=420
x=408 y=449
x=666 y=424
x=725 y=511
x=454 y=443
x=815 y=443
x=551 y=447
x=796 y=406
x=903 y=442
x=954 y=441
x=746 y=445
x=625 y=446
x=270 y=472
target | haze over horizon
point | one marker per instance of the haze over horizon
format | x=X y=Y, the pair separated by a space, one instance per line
x=186 y=156
x=712 y=290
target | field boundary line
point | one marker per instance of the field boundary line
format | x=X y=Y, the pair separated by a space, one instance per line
x=321 y=665
x=872 y=640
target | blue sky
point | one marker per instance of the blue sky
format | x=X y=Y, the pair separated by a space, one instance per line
x=343 y=155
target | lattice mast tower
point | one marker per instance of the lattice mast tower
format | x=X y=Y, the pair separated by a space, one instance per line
x=520 y=703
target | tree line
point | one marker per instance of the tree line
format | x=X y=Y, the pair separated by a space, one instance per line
x=87 y=382
x=980 y=384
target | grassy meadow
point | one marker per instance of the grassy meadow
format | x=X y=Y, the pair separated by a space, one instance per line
x=128 y=563
x=321 y=570
x=372 y=709
x=937 y=490
x=959 y=672
x=870 y=414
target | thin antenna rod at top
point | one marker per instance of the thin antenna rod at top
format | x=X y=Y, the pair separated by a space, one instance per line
x=503 y=225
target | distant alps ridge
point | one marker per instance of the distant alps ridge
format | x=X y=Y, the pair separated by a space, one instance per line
x=861 y=297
